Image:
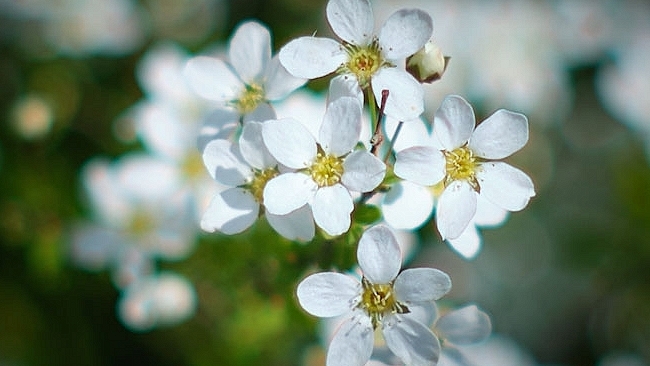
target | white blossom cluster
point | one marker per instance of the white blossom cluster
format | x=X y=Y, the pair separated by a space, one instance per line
x=372 y=147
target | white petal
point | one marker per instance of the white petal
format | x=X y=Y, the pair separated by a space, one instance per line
x=296 y=225
x=468 y=243
x=341 y=126
x=453 y=122
x=456 y=207
x=404 y=33
x=312 y=57
x=407 y=205
x=278 y=82
x=288 y=192
x=252 y=147
x=344 y=86
x=423 y=165
x=421 y=284
x=351 y=20
x=411 y=341
x=328 y=294
x=230 y=212
x=379 y=255
x=289 y=142
x=466 y=325
x=352 y=344
x=219 y=124
x=505 y=185
x=263 y=112
x=212 y=79
x=405 y=99
x=362 y=171
x=225 y=163
x=332 y=207
x=250 y=50
x=500 y=135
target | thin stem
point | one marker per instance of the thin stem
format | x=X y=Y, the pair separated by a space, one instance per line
x=370 y=96
x=392 y=141
x=377 y=137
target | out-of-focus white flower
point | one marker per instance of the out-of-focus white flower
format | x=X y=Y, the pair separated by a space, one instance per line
x=384 y=298
x=246 y=168
x=496 y=350
x=251 y=78
x=369 y=58
x=139 y=217
x=158 y=300
x=326 y=169
x=467 y=164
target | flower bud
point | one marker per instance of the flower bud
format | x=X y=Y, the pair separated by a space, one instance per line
x=428 y=64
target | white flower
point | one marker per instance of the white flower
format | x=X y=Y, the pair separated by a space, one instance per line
x=371 y=59
x=326 y=170
x=246 y=168
x=467 y=164
x=250 y=80
x=381 y=299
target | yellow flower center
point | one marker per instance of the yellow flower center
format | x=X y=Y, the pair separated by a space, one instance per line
x=326 y=170
x=141 y=223
x=192 y=166
x=363 y=62
x=379 y=300
x=256 y=186
x=252 y=96
x=461 y=164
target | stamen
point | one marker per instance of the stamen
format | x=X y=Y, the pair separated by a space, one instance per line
x=326 y=170
x=252 y=96
x=256 y=186
x=378 y=300
x=461 y=165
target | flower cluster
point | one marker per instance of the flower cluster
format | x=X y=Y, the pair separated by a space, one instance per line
x=372 y=159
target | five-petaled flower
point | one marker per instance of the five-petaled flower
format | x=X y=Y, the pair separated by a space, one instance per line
x=250 y=80
x=466 y=163
x=325 y=170
x=383 y=299
x=370 y=59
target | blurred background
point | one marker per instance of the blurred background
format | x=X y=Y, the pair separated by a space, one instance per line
x=102 y=261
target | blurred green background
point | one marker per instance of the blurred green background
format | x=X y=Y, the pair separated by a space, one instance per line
x=568 y=278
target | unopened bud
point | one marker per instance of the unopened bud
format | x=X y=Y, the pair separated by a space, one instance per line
x=428 y=64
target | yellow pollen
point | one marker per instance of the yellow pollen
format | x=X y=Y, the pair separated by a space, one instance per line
x=326 y=170
x=461 y=165
x=256 y=186
x=192 y=166
x=379 y=300
x=363 y=62
x=252 y=96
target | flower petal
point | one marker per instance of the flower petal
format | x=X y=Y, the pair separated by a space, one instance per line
x=252 y=148
x=352 y=344
x=411 y=341
x=421 y=284
x=344 y=86
x=296 y=225
x=225 y=163
x=278 y=82
x=219 y=124
x=453 y=122
x=212 y=79
x=263 y=112
x=379 y=254
x=351 y=20
x=288 y=192
x=466 y=325
x=505 y=185
x=404 y=33
x=500 y=135
x=230 y=212
x=312 y=57
x=406 y=99
x=289 y=142
x=407 y=205
x=341 y=126
x=328 y=294
x=250 y=50
x=332 y=207
x=468 y=243
x=456 y=207
x=424 y=165
x=362 y=171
